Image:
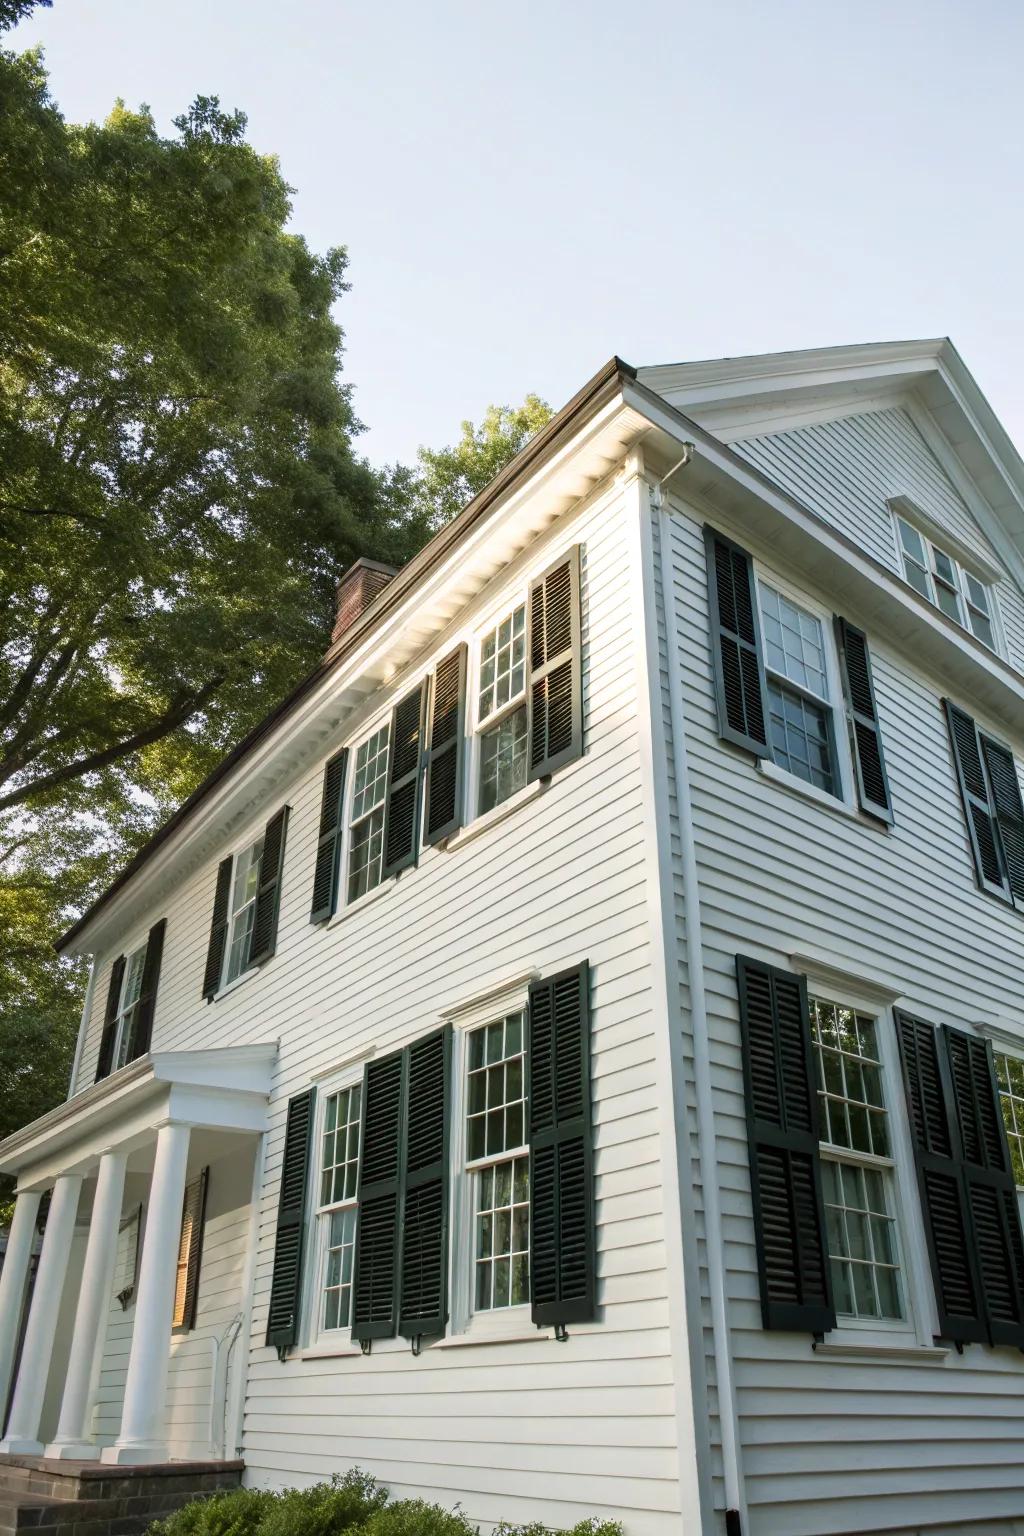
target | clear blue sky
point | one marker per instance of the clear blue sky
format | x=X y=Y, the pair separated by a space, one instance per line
x=525 y=189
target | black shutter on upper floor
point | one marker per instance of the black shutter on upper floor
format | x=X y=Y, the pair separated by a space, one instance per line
x=286 y=1284
x=263 y=938
x=862 y=716
x=328 y=848
x=1009 y=810
x=991 y=1191
x=423 y=1300
x=554 y=685
x=736 y=649
x=782 y=1135
x=106 y=1053
x=402 y=801
x=941 y=1182
x=375 y=1281
x=218 y=931
x=445 y=747
x=142 y=1028
x=979 y=813
x=563 y=1270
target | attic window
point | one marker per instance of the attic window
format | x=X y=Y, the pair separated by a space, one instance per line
x=933 y=572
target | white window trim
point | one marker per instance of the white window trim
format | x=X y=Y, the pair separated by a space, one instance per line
x=122 y=1007
x=1004 y=1044
x=920 y=1327
x=964 y=561
x=249 y=970
x=845 y=776
x=476 y=728
x=320 y=1341
x=344 y=906
x=502 y=1323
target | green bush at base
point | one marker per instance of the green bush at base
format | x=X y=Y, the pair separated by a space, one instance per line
x=355 y=1503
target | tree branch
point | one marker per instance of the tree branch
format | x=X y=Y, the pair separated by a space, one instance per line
x=72 y=512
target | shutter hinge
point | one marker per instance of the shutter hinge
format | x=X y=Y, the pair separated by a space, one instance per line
x=366 y=1346
x=416 y=1343
x=282 y=1353
x=561 y=1333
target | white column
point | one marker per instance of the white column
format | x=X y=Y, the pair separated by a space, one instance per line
x=12 y=1285
x=72 y=1442
x=142 y=1419
x=21 y=1438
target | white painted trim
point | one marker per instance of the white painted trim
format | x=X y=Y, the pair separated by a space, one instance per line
x=493 y=999
x=357 y=1058
x=857 y=987
x=911 y=1354
x=353 y=908
x=231 y=986
x=480 y=1340
x=83 y=1028
x=483 y=823
x=234 y=1415
x=987 y=571
x=332 y=1341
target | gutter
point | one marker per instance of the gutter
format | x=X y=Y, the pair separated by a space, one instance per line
x=587 y=402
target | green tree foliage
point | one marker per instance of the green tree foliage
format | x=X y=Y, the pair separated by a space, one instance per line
x=446 y=478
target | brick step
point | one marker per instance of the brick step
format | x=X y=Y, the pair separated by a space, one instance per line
x=48 y=1498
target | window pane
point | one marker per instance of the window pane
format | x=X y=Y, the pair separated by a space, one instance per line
x=912 y=542
x=948 y=600
x=337 y=1294
x=496 y=1092
x=981 y=624
x=339 y=1165
x=502 y=1247
x=918 y=578
x=853 y=1112
x=800 y=737
x=943 y=566
x=1010 y=1077
x=371 y=773
x=366 y=855
x=794 y=642
x=503 y=760
x=503 y=663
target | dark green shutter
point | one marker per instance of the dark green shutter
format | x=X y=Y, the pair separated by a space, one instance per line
x=195 y=1213
x=736 y=650
x=402 y=803
x=423 y=1303
x=263 y=938
x=991 y=1191
x=142 y=1027
x=862 y=716
x=105 y=1059
x=563 y=1270
x=445 y=747
x=218 y=931
x=554 y=685
x=941 y=1182
x=1009 y=810
x=782 y=1136
x=328 y=848
x=375 y=1283
x=982 y=831
x=286 y=1285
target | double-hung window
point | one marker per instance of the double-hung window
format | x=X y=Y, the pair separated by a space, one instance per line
x=244 y=886
x=501 y=709
x=940 y=578
x=1010 y=1078
x=801 y=731
x=857 y=1165
x=127 y=1010
x=366 y=825
x=337 y=1174
x=498 y=1163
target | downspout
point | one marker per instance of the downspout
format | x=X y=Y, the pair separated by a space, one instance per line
x=82 y=1027
x=706 y=1132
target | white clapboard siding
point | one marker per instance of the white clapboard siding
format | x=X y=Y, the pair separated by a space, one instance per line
x=523 y=1430
x=845 y=470
x=827 y=1444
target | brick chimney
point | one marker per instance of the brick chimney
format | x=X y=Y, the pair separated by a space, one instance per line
x=357 y=589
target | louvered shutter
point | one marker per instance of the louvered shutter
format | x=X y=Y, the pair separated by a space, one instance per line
x=563 y=1284
x=286 y=1284
x=423 y=1303
x=375 y=1283
x=782 y=1134
x=218 y=931
x=106 y=1054
x=142 y=1030
x=1009 y=810
x=263 y=938
x=982 y=830
x=991 y=1191
x=554 y=685
x=402 y=803
x=328 y=848
x=736 y=649
x=445 y=748
x=190 y=1254
x=862 y=716
x=941 y=1181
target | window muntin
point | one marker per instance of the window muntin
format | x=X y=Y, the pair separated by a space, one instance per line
x=131 y=991
x=801 y=733
x=244 y=886
x=337 y=1173
x=501 y=710
x=857 y=1164
x=366 y=826
x=1010 y=1080
x=498 y=1163
x=946 y=583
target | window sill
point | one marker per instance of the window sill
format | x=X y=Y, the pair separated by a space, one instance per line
x=910 y=1354
x=795 y=786
x=231 y=985
x=346 y=1351
x=384 y=889
x=491 y=818
x=467 y=1340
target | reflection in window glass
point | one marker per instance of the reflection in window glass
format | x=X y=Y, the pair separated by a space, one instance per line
x=1010 y=1077
x=366 y=837
x=495 y=1141
x=243 y=907
x=503 y=663
x=503 y=760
